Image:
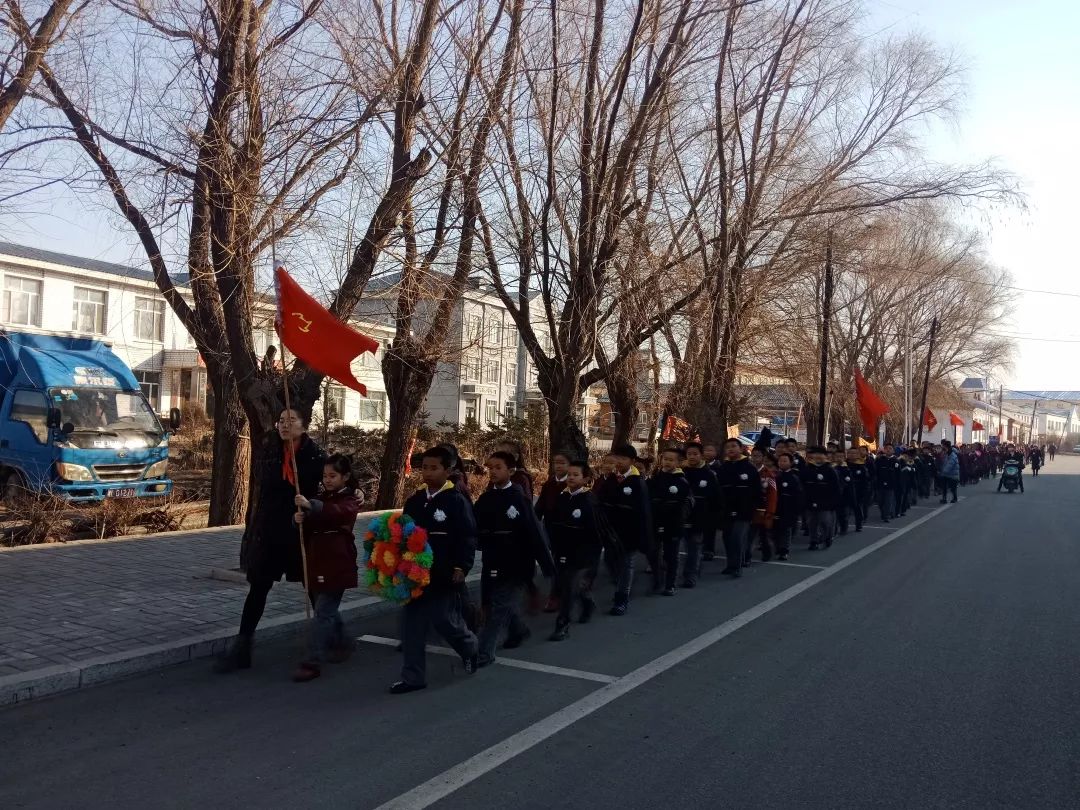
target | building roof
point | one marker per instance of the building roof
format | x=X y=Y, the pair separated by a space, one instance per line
x=974 y=384
x=67 y=260
x=1031 y=396
x=778 y=397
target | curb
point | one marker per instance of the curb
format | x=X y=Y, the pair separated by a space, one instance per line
x=26 y=686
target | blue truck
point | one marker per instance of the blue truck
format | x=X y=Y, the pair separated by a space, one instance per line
x=74 y=422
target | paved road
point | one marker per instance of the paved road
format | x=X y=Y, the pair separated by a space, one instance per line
x=931 y=667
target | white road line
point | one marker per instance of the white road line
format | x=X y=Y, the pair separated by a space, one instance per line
x=450 y=780
x=883 y=528
x=788 y=564
x=516 y=663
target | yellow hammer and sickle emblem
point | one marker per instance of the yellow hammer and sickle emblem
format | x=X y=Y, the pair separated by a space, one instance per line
x=306 y=324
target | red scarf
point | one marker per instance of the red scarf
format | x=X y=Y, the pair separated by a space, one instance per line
x=288 y=464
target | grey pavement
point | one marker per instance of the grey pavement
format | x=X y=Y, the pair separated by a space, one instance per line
x=86 y=612
x=937 y=671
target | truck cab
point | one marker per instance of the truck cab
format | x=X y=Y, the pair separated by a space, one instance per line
x=74 y=422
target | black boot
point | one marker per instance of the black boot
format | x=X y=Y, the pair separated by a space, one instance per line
x=562 y=631
x=238 y=656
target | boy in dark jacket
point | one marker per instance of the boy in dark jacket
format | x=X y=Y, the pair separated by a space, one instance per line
x=447 y=516
x=577 y=531
x=907 y=490
x=330 y=546
x=625 y=500
x=789 y=506
x=672 y=504
x=887 y=468
x=848 y=505
x=711 y=456
x=512 y=543
x=703 y=518
x=740 y=487
x=821 y=494
x=546 y=502
x=860 y=484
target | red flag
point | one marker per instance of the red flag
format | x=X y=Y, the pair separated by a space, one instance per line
x=977 y=426
x=929 y=419
x=955 y=420
x=311 y=333
x=871 y=406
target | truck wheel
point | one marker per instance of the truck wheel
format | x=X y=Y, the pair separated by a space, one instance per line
x=12 y=488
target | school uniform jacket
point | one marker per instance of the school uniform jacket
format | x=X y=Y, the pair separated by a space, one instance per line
x=789 y=497
x=740 y=484
x=549 y=497
x=907 y=477
x=860 y=480
x=821 y=488
x=510 y=537
x=707 y=498
x=672 y=503
x=448 y=519
x=848 y=498
x=625 y=500
x=888 y=471
x=574 y=525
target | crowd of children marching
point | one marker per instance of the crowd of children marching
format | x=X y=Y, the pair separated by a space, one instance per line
x=694 y=504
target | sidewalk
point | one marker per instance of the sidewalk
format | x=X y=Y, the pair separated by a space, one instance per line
x=82 y=613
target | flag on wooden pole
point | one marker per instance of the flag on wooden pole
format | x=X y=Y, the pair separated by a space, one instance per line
x=929 y=419
x=311 y=333
x=955 y=421
x=871 y=406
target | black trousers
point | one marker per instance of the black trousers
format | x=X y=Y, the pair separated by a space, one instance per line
x=437 y=607
x=574 y=589
x=948 y=485
x=782 y=532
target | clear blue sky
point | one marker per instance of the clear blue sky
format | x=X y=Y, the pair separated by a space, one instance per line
x=1022 y=107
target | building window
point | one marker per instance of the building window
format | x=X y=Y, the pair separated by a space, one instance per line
x=372 y=407
x=491 y=413
x=509 y=336
x=643 y=418
x=470 y=410
x=494 y=333
x=473 y=327
x=88 y=311
x=21 y=303
x=470 y=367
x=511 y=374
x=29 y=408
x=491 y=371
x=150 y=383
x=149 y=319
x=335 y=402
x=510 y=409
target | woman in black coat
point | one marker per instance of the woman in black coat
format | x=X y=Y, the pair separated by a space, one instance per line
x=274 y=539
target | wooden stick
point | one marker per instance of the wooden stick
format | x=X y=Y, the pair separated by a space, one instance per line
x=296 y=481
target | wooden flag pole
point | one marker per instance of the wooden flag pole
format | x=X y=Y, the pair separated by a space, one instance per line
x=296 y=481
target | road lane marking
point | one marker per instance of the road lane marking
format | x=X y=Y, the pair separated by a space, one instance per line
x=471 y=769
x=516 y=663
x=788 y=564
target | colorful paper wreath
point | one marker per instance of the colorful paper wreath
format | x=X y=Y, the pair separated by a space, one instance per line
x=398 y=565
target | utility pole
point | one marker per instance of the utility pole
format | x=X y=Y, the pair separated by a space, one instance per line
x=826 y=305
x=926 y=378
x=1002 y=433
x=1031 y=433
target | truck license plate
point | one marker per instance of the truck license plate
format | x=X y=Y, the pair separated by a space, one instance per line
x=121 y=493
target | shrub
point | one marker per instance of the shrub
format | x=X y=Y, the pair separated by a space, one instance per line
x=115 y=517
x=42 y=519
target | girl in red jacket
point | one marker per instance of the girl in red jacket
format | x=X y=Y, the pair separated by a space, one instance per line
x=331 y=561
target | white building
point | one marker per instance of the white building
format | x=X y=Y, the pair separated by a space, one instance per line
x=51 y=292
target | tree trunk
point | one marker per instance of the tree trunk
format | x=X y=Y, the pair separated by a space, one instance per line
x=625 y=405
x=408 y=379
x=232 y=455
x=562 y=393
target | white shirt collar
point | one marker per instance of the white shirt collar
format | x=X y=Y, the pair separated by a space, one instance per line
x=576 y=491
x=508 y=485
x=560 y=480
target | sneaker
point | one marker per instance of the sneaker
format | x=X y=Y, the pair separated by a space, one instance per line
x=618 y=609
x=783 y=558
x=669 y=591
x=561 y=633
x=552 y=605
x=513 y=642
x=402 y=688
x=307 y=671
x=828 y=543
x=472 y=664
x=813 y=547
x=708 y=556
x=689 y=583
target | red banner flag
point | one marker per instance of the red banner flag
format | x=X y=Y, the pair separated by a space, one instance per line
x=955 y=421
x=871 y=406
x=929 y=419
x=311 y=333
x=977 y=426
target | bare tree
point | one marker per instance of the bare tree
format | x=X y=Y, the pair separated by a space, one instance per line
x=229 y=152
x=26 y=40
